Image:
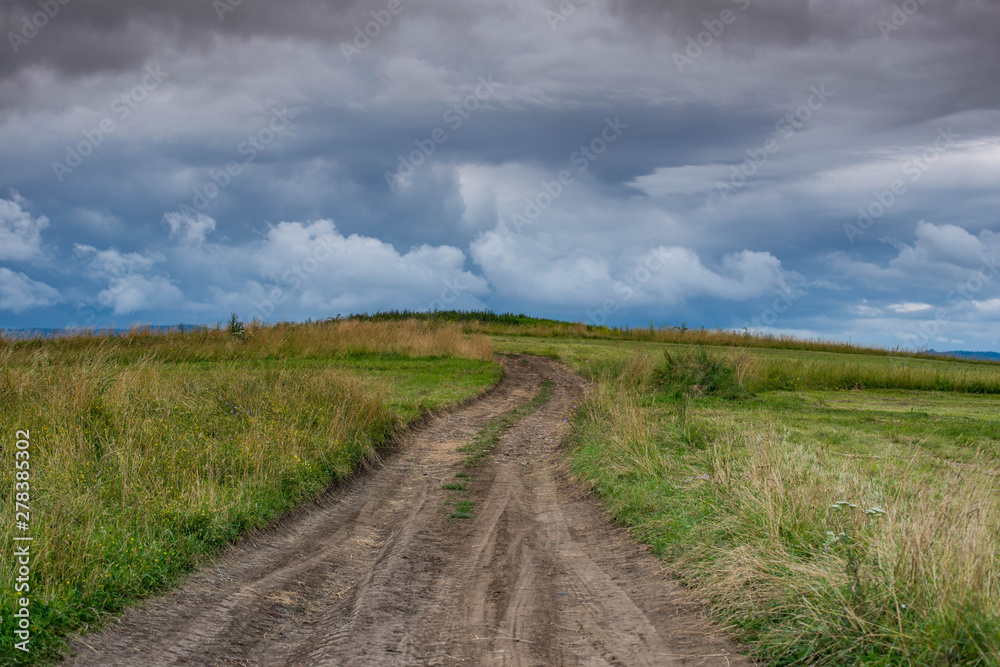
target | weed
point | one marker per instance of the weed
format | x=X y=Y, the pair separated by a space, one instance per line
x=463 y=510
x=489 y=435
x=700 y=373
x=236 y=327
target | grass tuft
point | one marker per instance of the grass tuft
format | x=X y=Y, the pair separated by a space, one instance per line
x=490 y=434
x=463 y=510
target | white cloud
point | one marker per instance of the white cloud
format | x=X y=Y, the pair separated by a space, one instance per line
x=316 y=267
x=742 y=275
x=540 y=270
x=19 y=293
x=909 y=307
x=689 y=179
x=111 y=262
x=130 y=287
x=135 y=292
x=543 y=270
x=939 y=255
x=190 y=228
x=963 y=165
x=295 y=270
x=988 y=307
x=20 y=232
x=951 y=244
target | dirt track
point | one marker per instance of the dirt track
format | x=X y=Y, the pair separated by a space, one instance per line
x=375 y=573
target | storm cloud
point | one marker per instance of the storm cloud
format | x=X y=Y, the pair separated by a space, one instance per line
x=824 y=168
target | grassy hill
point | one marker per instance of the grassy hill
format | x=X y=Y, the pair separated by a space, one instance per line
x=833 y=504
x=832 y=507
x=149 y=452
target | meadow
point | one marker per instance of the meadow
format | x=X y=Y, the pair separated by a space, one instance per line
x=150 y=452
x=830 y=511
x=514 y=325
x=830 y=504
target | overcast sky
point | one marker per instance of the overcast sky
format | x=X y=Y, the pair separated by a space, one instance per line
x=827 y=168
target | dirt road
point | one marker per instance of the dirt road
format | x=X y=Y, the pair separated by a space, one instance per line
x=377 y=574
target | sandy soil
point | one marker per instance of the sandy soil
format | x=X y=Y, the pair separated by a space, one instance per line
x=374 y=573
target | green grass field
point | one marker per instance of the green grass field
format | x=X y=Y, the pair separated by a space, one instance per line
x=833 y=508
x=150 y=453
x=833 y=505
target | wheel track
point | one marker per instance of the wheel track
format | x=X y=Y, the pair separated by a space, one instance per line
x=375 y=574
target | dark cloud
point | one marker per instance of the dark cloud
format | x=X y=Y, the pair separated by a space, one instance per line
x=87 y=37
x=115 y=238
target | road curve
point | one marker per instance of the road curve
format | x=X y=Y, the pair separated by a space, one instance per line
x=375 y=573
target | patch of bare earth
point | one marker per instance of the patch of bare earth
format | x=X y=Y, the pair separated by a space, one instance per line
x=376 y=574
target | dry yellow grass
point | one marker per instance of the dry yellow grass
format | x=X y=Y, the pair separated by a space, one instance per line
x=282 y=341
x=409 y=337
x=868 y=552
x=150 y=450
x=907 y=551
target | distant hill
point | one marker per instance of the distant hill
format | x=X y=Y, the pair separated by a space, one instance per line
x=44 y=332
x=963 y=354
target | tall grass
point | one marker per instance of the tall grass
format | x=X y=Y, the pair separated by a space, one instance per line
x=259 y=342
x=510 y=324
x=743 y=371
x=813 y=555
x=145 y=458
x=770 y=373
x=906 y=570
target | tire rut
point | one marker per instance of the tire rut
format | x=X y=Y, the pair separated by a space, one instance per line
x=374 y=573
